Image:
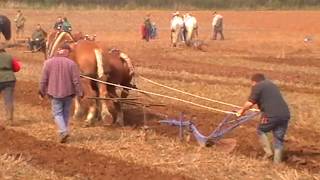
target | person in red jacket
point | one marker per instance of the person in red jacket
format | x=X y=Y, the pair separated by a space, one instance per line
x=8 y=65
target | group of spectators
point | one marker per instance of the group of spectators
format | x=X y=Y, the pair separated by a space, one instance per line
x=149 y=29
x=38 y=37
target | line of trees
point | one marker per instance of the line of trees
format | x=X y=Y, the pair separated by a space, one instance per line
x=202 y=4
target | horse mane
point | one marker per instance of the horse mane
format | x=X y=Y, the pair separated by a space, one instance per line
x=53 y=45
x=5 y=27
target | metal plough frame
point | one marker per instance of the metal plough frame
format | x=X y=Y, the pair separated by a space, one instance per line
x=228 y=124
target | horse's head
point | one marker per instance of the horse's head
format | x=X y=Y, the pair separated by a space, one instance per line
x=78 y=36
x=56 y=40
x=5 y=27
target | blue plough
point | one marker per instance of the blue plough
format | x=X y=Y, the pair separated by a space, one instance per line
x=229 y=123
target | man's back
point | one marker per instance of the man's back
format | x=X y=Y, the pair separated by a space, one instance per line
x=6 y=73
x=217 y=20
x=61 y=76
x=176 y=21
x=269 y=99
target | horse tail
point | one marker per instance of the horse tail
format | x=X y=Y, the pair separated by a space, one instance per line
x=99 y=61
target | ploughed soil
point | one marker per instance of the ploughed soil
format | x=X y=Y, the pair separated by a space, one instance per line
x=73 y=162
x=300 y=156
x=251 y=36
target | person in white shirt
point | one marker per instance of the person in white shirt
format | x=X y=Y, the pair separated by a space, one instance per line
x=217 y=25
x=191 y=27
x=176 y=28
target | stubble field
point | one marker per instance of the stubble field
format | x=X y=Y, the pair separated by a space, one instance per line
x=271 y=42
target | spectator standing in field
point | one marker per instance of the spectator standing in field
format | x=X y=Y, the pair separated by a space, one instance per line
x=60 y=81
x=217 y=25
x=58 y=25
x=8 y=65
x=20 y=21
x=66 y=26
x=154 y=30
x=147 y=28
x=275 y=114
x=37 y=39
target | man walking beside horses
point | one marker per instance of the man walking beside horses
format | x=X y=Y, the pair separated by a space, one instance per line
x=60 y=81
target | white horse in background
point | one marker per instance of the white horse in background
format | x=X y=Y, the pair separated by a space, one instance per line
x=191 y=28
x=176 y=27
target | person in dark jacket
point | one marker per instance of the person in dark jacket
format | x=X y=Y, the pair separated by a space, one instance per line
x=60 y=81
x=58 y=25
x=37 y=40
x=8 y=65
x=66 y=26
x=147 y=28
x=275 y=114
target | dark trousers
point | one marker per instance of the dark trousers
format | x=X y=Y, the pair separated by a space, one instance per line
x=278 y=127
x=216 y=32
x=7 y=91
x=36 y=45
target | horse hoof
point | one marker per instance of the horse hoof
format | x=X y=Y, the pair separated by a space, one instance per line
x=88 y=123
x=120 y=123
x=77 y=116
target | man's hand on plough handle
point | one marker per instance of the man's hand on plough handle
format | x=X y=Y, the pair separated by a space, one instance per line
x=247 y=106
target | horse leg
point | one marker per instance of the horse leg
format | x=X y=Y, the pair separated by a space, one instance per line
x=78 y=111
x=89 y=91
x=118 y=116
x=91 y=116
x=104 y=107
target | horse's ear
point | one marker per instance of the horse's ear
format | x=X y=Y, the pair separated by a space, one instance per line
x=114 y=52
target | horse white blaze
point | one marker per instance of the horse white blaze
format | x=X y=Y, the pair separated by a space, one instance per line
x=56 y=41
x=100 y=70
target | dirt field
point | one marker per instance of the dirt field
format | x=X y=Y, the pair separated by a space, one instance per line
x=268 y=42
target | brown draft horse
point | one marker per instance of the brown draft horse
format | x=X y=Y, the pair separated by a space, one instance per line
x=118 y=73
x=96 y=62
x=85 y=57
x=111 y=68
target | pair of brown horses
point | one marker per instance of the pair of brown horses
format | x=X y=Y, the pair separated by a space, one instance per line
x=95 y=61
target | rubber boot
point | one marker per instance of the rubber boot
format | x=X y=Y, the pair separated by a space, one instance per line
x=277 y=158
x=264 y=140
